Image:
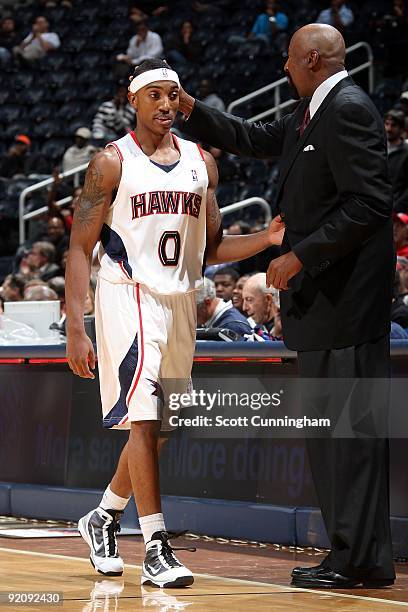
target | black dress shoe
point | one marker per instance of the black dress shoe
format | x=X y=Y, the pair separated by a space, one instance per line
x=306 y=571
x=325 y=578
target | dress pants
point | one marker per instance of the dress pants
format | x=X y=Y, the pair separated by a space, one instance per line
x=351 y=473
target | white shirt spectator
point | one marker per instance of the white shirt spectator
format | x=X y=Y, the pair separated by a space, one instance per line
x=148 y=48
x=345 y=14
x=76 y=156
x=51 y=38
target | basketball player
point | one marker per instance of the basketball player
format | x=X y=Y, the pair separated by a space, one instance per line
x=150 y=197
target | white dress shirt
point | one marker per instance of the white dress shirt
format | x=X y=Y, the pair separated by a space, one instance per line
x=324 y=89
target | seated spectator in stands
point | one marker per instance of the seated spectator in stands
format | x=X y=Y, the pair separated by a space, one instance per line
x=401 y=234
x=40 y=293
x=212 y=311
x=13 y=163
x=57 y=284
x=183 y=48
x=80 y=152
x=56 y=234
x=269 y=24
x=38 y=43
x=12 y=289
x=237 y=300
x=399 y=310
x=114 y=118
x=40 y=260
x=19 y=161
x=261 y=304
x=225 y=279
x=269 y=27
x=394 y=123
x=8 y=39
x=206 y=93
x=144 y=45
x=338 y=15
x=65 y=212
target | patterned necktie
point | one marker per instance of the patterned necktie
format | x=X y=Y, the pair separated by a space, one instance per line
x=305 y=122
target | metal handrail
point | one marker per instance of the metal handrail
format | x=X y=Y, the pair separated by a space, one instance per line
x=276 y=85
x=248 y=202
x=23 y=195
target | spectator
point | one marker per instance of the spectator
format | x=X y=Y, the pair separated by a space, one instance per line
x=237 y=300
x=64 y=258
x=14 y=161
x=144 y=45
x=57 y=236
x=80 y=152
x=12 y=289
x=207 y=94
x=8 y=39
x=114 y=117
x=57 y=284
x=225 y=279
x=40 y=261
x=40 y=293
x=184 y=48
x=65 y=212
x=38 y=43
x=338 y=15
x=261 y=304
x=212 y=311
x=269 y=28
x=401 y=234
x=394 y=124
x=399 y=310
x=136 y=15
x=239 y=227
x=18 y=161
x=269 y=24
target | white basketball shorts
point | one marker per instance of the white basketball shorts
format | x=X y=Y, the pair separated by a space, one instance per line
x=145 y=346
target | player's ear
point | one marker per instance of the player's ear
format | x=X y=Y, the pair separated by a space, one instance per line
x=132 y=99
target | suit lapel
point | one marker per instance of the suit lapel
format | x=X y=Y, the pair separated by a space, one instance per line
x=289 y=160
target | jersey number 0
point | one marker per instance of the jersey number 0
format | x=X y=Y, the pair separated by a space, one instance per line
x=164 y=257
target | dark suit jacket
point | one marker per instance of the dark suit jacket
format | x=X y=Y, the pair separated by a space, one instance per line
x=233 y=319
x=336 y=202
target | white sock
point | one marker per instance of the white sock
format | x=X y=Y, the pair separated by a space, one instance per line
x=150 y=524
x=111 y=501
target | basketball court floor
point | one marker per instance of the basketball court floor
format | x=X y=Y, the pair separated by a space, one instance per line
x=229 y=576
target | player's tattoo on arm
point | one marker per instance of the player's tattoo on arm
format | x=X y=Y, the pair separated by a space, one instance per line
x=215 y=218
x=92 y=198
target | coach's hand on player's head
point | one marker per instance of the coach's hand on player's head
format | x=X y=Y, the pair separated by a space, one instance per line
x=80 y=354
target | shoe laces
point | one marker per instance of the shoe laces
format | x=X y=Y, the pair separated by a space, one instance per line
x=168 y=549
x=113 y=528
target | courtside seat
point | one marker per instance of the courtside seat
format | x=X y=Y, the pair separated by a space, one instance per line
x=70 y=110
x=9 y=113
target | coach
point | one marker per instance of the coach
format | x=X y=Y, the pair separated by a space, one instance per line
x=335 y=276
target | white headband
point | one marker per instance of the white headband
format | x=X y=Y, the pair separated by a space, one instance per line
x=150 y=76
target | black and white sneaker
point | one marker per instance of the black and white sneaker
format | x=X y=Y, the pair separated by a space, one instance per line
x=161 y=567
x=99 y=528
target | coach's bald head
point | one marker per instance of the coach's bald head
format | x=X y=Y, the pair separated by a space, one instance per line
x=316 y=52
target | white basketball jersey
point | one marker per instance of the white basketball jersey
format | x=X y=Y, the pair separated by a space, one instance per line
x=155 y=230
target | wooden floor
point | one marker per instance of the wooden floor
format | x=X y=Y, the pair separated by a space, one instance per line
x=62 y=566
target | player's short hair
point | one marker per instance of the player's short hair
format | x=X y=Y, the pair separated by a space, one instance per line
x=151 y=64
x=229 y=270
